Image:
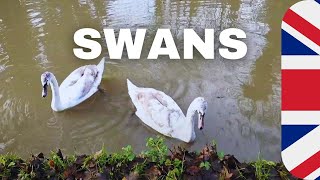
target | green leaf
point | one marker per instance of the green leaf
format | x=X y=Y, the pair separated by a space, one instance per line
x=177 y=162
x=205 y=165
x=131 y=157
x=11 y=164
x=168 y=162
x=220 y=154
x=214 y=143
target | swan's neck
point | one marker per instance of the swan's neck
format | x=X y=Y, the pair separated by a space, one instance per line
x=56 y=101
x=190 y=134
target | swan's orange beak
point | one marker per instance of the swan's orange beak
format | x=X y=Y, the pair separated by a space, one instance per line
x=201 y=121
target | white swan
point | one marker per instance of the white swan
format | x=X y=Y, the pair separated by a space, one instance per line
x=161 y=112
x=76 y=88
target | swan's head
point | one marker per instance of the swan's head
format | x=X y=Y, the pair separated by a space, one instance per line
x=45 y=81
x=202 y=110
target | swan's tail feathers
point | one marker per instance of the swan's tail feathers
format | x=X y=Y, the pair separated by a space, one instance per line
x=131 y=86
x=132 y=89
x=100 y=66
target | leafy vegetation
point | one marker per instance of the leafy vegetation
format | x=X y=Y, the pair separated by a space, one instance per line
x=8 y=163
x=175 y=169
x=122 y=158
x=263 y=168
x=205 y=165
x=157 y=150
x=154 y=163
x=56 y=161
x=101 y=159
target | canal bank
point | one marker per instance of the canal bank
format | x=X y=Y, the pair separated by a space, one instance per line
x=156 y=162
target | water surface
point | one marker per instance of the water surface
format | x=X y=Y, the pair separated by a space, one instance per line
x=244 y=95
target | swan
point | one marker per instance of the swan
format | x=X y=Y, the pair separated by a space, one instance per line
x=161 y=112
x=76 y=88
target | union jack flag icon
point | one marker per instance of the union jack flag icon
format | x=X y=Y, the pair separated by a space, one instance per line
x=300 y=64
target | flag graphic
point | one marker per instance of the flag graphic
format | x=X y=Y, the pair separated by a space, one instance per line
x=300 y=69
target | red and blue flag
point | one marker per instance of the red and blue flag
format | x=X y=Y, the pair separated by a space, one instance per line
x=300 y=64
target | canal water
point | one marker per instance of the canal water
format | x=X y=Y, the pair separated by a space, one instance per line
x=243 y=95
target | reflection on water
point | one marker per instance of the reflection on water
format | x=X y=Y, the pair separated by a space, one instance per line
x=243 y=95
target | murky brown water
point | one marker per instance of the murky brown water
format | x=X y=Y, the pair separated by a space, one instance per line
x=37 y=36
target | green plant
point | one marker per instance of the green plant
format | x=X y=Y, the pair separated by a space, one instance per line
x=214 y=143
x=205 y=165
x=87 y=160
x=70 y=160
x=262 y=168
x=128 y=153
x=23 y=175
x=157 y=150
x=102 y=159
x=139 y=168
x=176 y=169
x=155 y=163
x=283 y=173
x=7 y=161
x=125 y=156
x=241 y=176
x=56 y=160
x=173 y=174
x=220 y=153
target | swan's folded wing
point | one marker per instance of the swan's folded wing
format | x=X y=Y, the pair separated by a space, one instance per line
x=161 y=109
x=73 y=77
x=82 y=88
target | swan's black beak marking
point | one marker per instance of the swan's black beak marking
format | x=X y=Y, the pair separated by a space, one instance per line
x=201 y=121
x=45 y=90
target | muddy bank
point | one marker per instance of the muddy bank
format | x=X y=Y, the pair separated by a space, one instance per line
x=156 y=162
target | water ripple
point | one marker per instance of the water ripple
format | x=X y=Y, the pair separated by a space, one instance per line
x=243 y=109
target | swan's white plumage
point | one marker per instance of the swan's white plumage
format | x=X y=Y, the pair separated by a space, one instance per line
x=161 y=112
x=81 y=84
